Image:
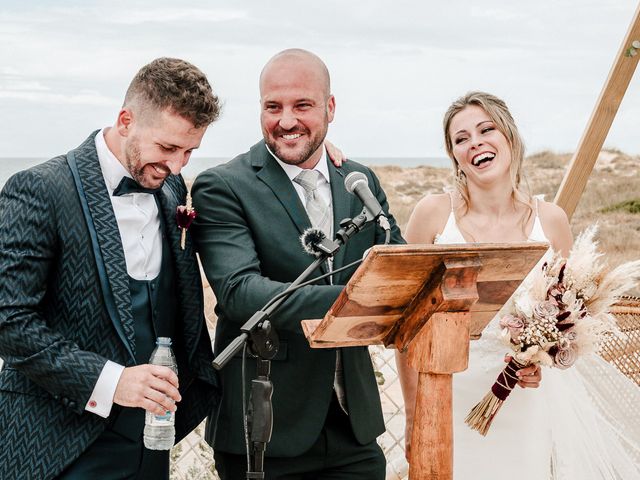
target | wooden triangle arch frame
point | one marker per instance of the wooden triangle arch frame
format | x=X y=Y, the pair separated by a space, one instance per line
x=604 y=112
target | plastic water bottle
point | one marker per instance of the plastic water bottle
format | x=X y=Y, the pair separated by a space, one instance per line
x=159 y=430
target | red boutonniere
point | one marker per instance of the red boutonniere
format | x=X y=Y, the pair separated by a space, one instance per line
x=185 y=215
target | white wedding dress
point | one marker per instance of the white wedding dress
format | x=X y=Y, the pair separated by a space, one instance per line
x=575 y=426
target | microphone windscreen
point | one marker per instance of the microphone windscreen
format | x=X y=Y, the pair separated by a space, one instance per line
x=310 y=239
x=353 y=178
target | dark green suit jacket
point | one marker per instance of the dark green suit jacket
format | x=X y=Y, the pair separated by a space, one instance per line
x=247 y=233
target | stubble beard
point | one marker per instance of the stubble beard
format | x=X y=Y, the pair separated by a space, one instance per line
x=311 y=147
x=133 y=158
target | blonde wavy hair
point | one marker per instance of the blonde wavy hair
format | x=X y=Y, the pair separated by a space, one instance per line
x=500 y=115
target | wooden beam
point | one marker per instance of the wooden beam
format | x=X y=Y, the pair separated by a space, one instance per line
x=593 y=138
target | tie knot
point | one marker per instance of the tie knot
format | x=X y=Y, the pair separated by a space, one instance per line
x=308 y=179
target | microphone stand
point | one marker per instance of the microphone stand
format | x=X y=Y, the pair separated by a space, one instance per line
x=260 y=336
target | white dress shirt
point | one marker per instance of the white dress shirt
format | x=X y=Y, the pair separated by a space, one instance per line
x=137 y=217
x=139 y=225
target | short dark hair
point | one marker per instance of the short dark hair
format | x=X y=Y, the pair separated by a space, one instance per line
x=177 y=85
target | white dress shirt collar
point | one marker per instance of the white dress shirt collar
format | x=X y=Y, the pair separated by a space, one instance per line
x=112 y=169
x=292 y=171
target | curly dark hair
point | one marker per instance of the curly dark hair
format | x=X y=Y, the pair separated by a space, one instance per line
x=177 y=85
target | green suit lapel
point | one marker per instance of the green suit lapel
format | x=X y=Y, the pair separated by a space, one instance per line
x=276 y=179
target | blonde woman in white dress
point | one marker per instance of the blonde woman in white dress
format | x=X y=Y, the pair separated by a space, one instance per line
x=489 y=204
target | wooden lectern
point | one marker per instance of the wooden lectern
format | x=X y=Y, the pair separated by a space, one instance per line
x=428 y=300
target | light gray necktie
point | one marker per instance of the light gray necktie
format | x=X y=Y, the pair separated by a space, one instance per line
x=320 y=215
x=316 y=207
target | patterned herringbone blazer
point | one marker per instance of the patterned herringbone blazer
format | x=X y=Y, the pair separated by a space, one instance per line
x=65 y=309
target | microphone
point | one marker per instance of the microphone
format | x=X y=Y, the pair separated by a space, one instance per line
x=315 y=242
x=357 y=184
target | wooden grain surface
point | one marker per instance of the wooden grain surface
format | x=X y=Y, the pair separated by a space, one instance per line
x=432 y=438
x=401 y=281
x=442 y=346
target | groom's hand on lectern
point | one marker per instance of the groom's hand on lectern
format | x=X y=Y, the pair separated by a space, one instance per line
x=529 y=377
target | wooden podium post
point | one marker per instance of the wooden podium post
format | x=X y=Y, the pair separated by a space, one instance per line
x=428 y=300
x=438 y=351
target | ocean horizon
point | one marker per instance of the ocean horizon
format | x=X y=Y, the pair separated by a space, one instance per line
x=12 y=165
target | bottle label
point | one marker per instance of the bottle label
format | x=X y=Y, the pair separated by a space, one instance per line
x=161 y=420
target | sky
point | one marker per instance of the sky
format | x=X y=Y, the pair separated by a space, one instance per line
x=395 y=66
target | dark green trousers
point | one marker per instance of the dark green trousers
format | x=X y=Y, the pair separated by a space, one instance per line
x=336 y=455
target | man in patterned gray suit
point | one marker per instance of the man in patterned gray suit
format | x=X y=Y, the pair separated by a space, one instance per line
x=92 y=271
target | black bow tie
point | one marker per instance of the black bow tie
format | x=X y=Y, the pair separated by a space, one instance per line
x=129 y=185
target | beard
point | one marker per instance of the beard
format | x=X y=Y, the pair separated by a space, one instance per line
x=311 y=146
x=135 y=165
x=133 y=160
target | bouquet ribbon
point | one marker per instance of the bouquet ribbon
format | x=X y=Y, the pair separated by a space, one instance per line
x=482 y=415
x=507 y=380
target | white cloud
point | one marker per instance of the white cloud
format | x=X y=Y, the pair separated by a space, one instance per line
x=15 y=84
x=503 y=14
x=88 y=99
x=177 y=15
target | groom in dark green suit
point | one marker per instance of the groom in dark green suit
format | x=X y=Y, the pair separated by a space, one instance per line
x=251 y=212
x=92 y=270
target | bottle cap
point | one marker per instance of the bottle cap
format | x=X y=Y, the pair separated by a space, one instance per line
x=165 y=341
